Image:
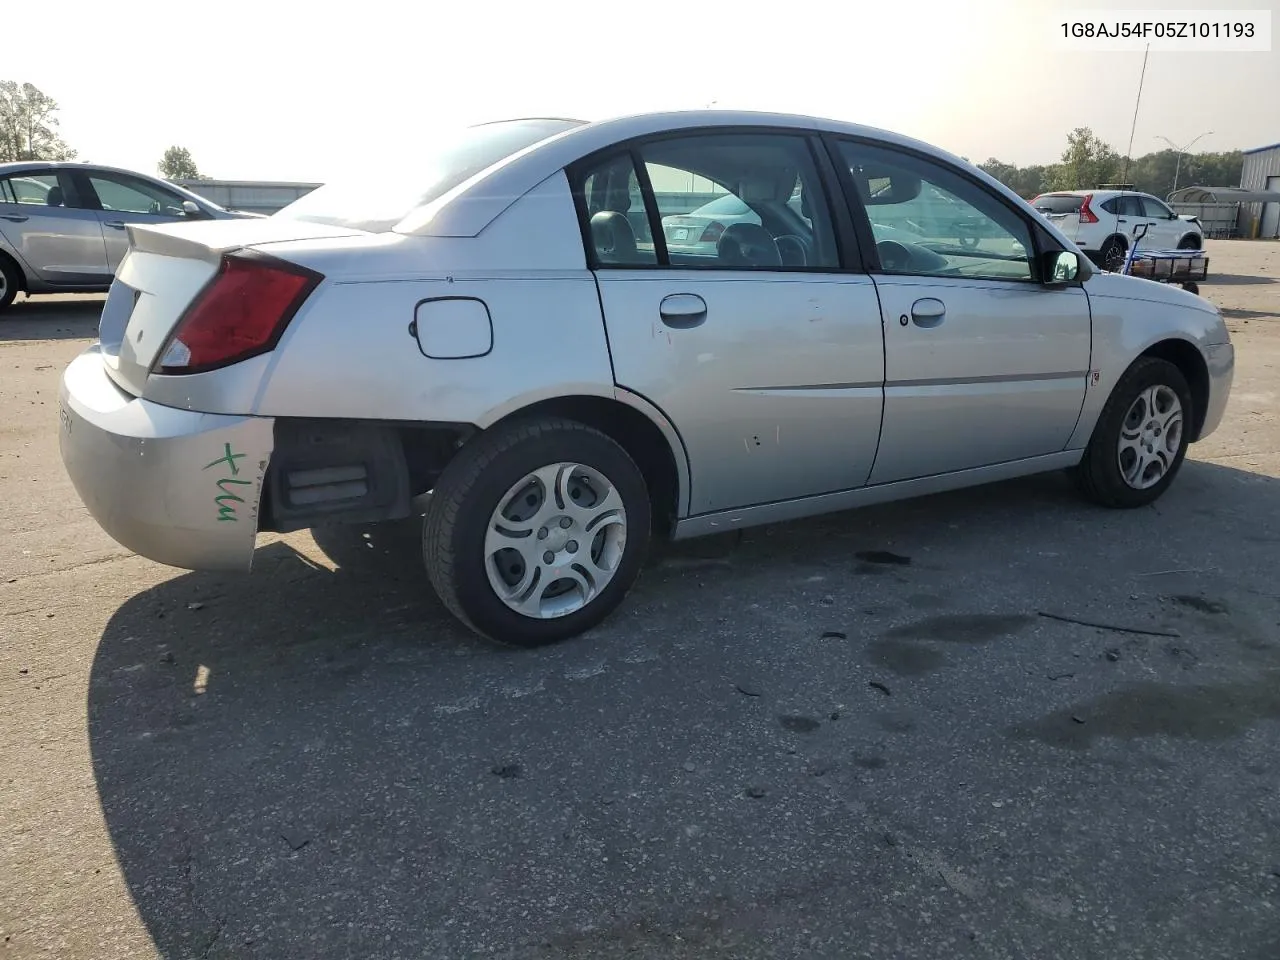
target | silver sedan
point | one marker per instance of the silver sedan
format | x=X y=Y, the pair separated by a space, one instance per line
x=509 y=347
x=63 y=225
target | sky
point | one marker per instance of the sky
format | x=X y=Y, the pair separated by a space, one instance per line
x=281 y=90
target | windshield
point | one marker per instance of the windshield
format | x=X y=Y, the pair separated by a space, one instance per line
x=452 y=157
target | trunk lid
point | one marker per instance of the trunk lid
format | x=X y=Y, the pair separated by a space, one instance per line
x=166 y=267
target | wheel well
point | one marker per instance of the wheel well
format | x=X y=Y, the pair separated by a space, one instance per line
x=17 y=268
x=1119 y=238
x=636 y=433
x=1194 y=238
x=1187 y=358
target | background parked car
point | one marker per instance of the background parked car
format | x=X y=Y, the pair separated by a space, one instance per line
x=1103 y=222
x=62 y=225
x=698 y=232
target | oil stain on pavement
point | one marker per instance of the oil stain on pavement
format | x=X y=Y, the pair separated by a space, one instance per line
x=1201 y=712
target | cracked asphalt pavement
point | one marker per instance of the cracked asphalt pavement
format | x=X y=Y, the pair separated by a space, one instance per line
x=910 y=731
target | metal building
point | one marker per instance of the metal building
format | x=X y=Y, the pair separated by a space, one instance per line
x=1261 y=172
x=253 y=196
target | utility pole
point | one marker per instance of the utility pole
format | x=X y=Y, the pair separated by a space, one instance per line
x=1124 y=175
x=1178 y=152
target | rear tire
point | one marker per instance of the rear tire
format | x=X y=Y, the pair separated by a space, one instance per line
x=1111 y=255
x=1140 y=439
x=10 y=280
x=525 y=492
x=1189 y=242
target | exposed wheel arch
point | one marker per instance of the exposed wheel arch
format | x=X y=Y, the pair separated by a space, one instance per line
x=1190 y=241
x=664 y=468
x=1188 y=359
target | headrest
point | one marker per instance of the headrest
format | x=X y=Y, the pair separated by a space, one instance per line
x=54 y=197
x=776 y=186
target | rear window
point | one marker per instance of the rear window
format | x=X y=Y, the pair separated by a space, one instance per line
x=1058 y=203
x=377 y=205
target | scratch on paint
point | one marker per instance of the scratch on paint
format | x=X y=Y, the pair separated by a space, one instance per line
x=227 y=499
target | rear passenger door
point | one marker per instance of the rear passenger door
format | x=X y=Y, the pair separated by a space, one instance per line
x=1127 y=211
x=758 y=344
x=58 y=240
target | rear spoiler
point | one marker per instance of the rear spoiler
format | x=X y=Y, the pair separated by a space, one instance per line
x=146 y=238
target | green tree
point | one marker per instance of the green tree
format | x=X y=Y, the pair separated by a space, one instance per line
x=28 y=125
x=1026 y=182
x=1154 y=172
x=1086 y=162
x=178 y=165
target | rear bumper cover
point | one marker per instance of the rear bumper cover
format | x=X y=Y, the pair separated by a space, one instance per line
x=178 y=487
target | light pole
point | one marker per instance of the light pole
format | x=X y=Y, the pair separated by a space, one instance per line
x=1178 y=152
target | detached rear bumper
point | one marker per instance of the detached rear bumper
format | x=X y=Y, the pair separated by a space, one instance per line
x=178 y=487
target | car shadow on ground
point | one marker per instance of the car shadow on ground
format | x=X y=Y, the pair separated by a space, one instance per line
x=320 y=762
x=28 y=319
x=1237 y=279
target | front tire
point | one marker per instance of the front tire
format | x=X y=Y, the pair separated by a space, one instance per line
x=537 y=531
x=1141 y=437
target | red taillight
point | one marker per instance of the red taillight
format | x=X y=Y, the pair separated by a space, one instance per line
x=713 y=232
x=1087 y=215
x=240 y=313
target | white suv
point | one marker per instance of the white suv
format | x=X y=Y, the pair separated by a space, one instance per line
x=1103 y=223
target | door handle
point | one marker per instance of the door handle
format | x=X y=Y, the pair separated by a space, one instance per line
x=118 y=224
x=13 y=217
x=928 y=312
x=682 y=310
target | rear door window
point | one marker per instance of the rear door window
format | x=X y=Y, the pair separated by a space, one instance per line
x=33 y=189
x=616 y=217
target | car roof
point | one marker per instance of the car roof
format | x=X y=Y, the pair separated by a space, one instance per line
x=35 y=166
x=493 y=190
x=20 y=167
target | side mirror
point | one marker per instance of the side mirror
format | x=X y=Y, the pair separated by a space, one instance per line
x=1059 y=267
x=192 y=210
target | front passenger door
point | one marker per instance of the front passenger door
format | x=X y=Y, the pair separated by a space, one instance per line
x=1165 y=227
x=43 y=222
x=123 y=200
x=983 y=364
